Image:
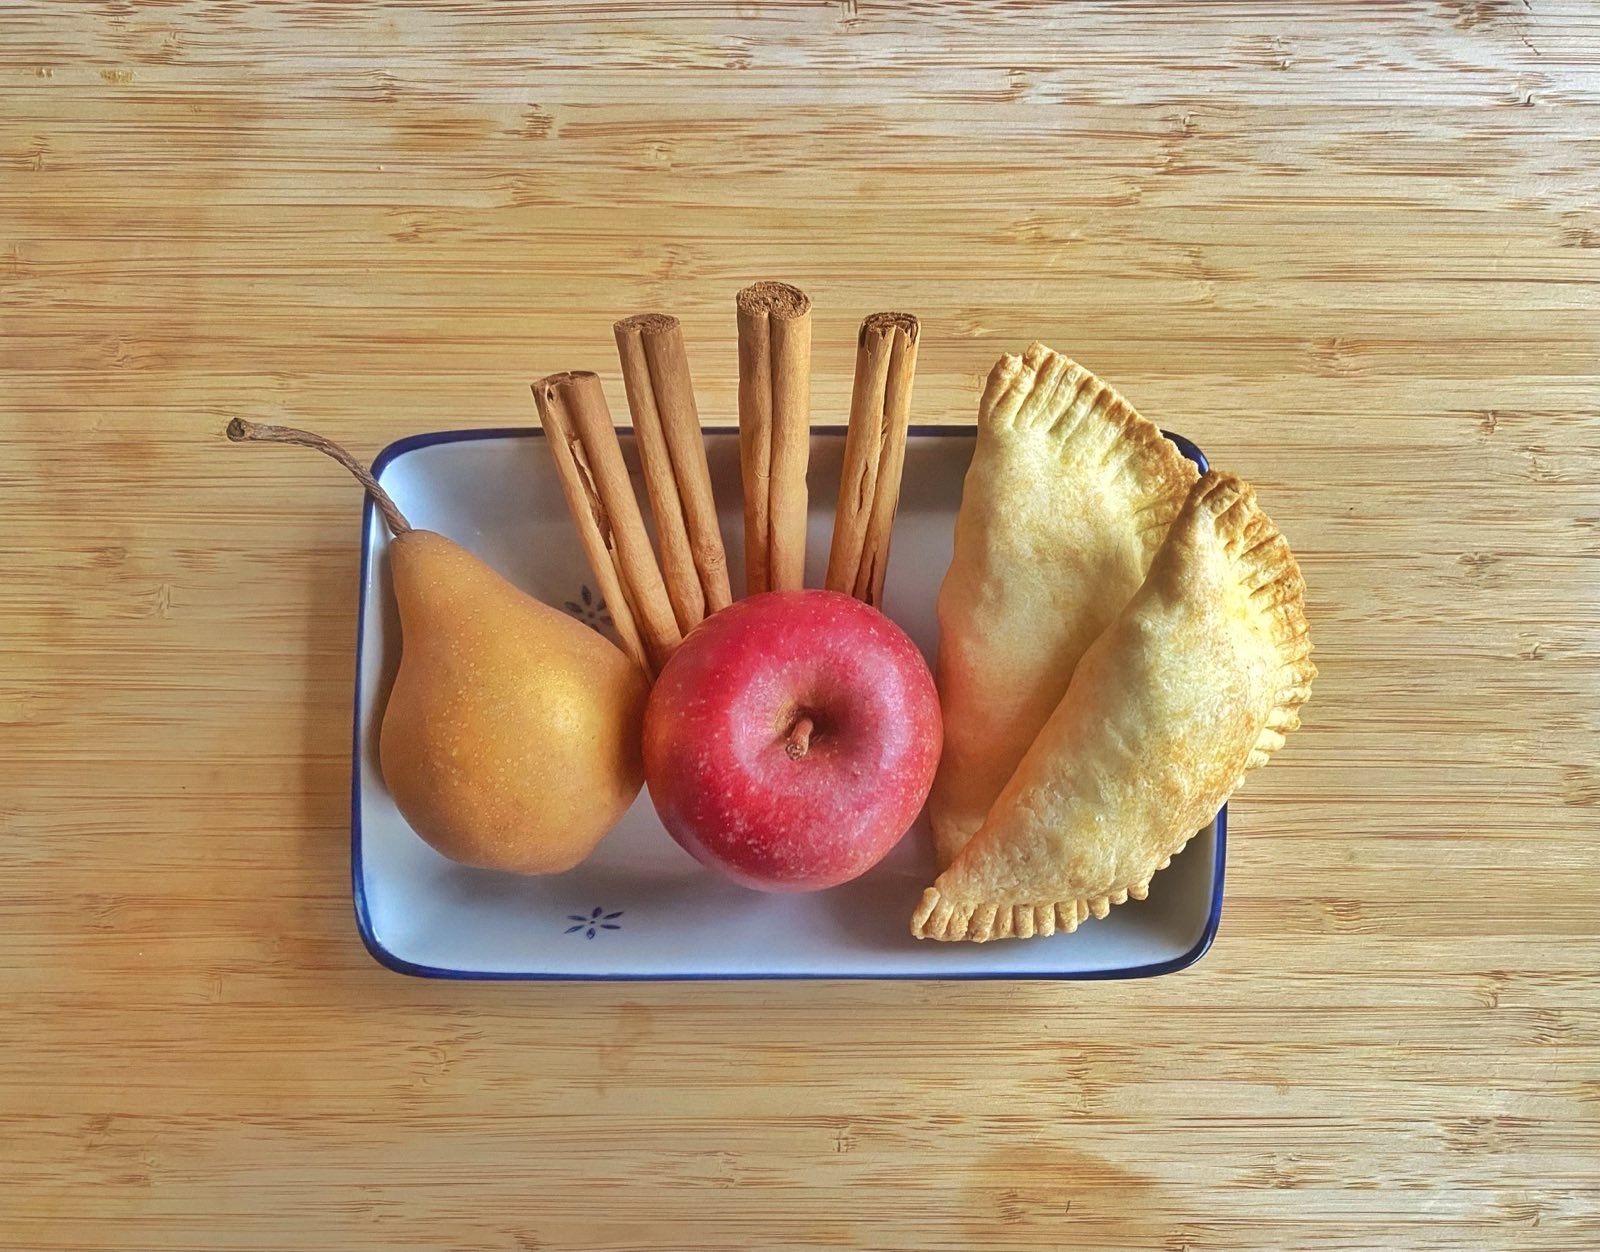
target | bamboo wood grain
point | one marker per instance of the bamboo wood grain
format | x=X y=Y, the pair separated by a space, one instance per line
x=1354 y=252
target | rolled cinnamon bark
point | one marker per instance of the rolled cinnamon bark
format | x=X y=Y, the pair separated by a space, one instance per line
x=774 y=431
x=672 y=453
x=874 y=455
x=594 y=479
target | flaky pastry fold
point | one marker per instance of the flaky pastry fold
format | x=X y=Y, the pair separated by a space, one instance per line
x=1194 y=683
x=1068 y=496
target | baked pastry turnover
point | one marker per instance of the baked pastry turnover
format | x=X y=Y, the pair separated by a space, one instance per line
x=1194 y=683
x=1068 y=497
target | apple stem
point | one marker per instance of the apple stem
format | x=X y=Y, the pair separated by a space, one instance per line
x=799 y=739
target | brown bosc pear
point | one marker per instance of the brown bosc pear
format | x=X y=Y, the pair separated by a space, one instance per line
x=511 y=736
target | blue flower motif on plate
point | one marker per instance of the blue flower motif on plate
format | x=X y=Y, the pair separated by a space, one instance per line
x=589 y=923
x=589 y=609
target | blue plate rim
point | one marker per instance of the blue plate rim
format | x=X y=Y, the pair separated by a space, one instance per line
x=400 y=965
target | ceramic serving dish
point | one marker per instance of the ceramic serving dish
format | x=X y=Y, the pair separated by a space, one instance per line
x=641 y=907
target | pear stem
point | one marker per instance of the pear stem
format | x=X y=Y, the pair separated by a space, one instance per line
x=241 y=431
x=799 y=739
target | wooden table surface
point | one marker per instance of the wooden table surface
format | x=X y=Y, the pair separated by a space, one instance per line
x=1354 y=252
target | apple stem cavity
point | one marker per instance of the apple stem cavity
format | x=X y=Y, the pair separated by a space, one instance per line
x=241 y=431
x=799 y=738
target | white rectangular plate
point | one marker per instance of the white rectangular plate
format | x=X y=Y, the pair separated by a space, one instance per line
x=641 y=907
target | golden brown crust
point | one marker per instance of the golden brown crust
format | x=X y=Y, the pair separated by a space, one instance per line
x=938 y=918
x=1268 y=570
x=1068 y=498
x=1194 y=685
x=1092 y=427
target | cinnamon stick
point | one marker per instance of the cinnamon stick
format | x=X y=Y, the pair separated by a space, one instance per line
x=874 y=455
x=774 y=431
x=672 y=453
x=594 y=479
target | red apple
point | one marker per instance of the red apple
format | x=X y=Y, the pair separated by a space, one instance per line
x=792 y=738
